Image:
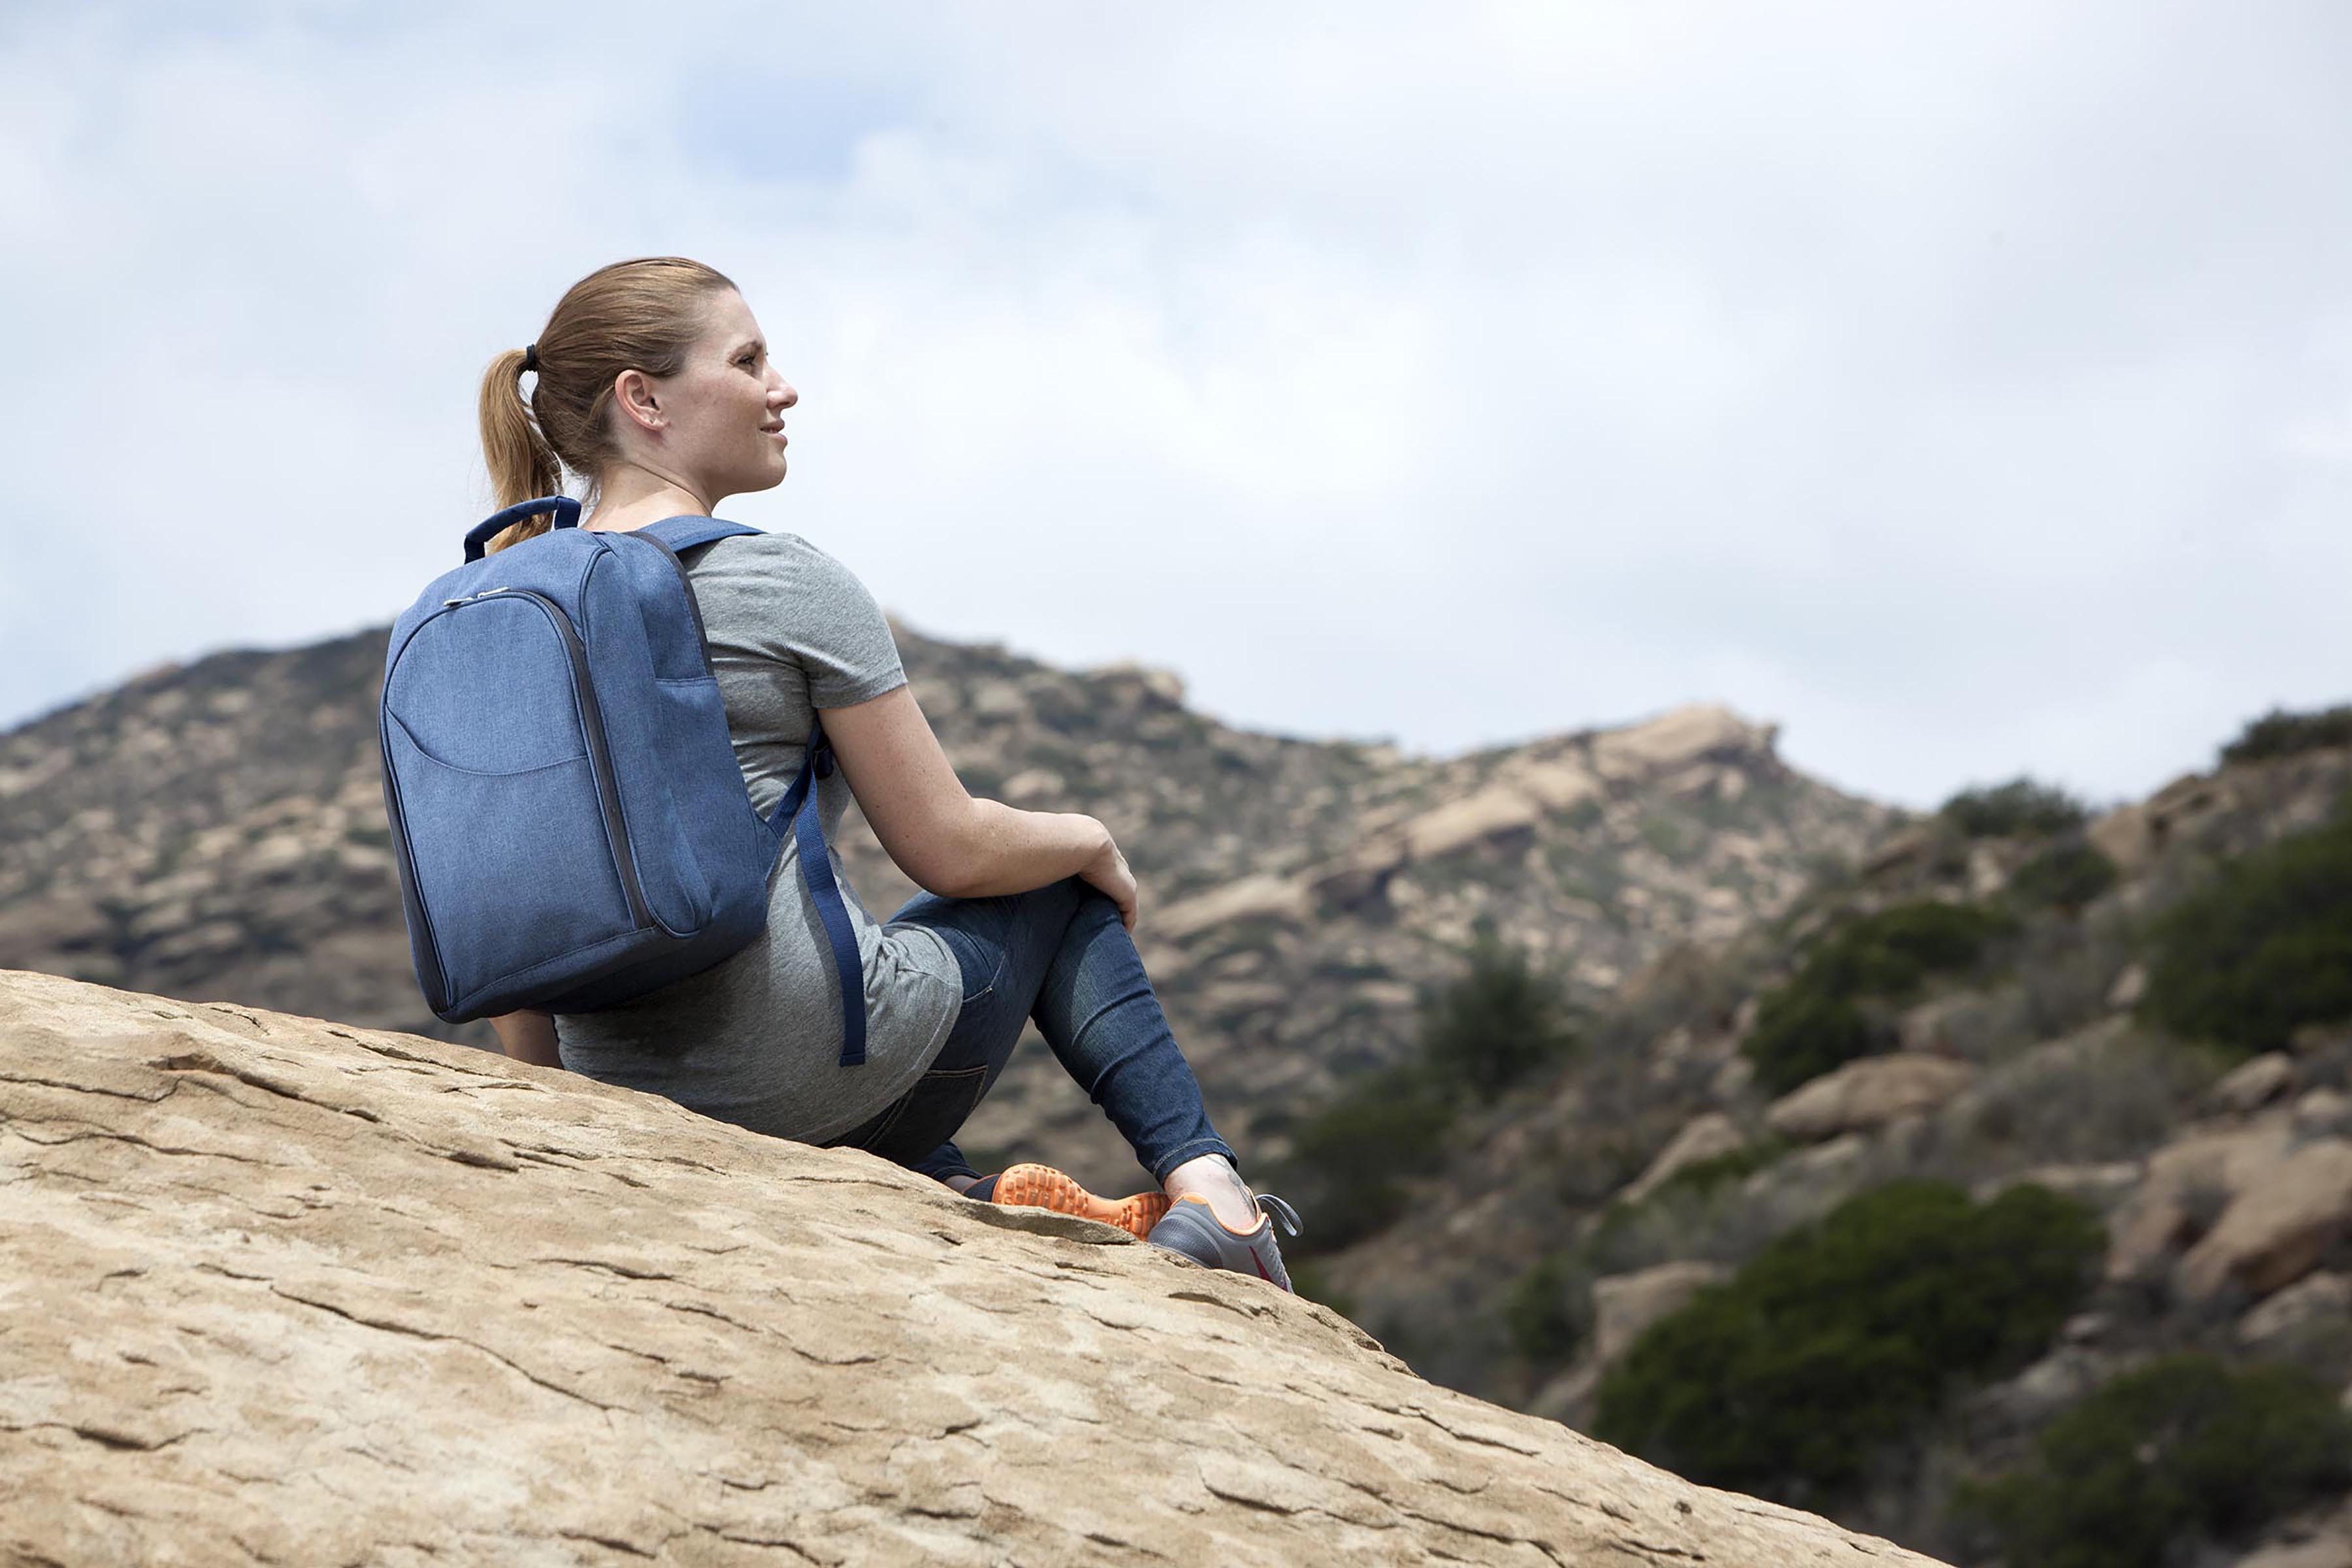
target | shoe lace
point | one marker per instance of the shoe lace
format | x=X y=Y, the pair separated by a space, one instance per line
x=1268 y=1203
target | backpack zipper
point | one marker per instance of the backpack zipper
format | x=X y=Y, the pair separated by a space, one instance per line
x=693 y=608
x=608 y=791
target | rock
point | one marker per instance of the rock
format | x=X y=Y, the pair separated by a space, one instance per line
x=1251 y=899
x=279 y=1289
x=2324 y=1113
x=2253 y=1084
x=2123 y=836
x=1966 y=1026
x=1678 y=737
x=2129 y=987
x=2188 y=1183
x=2273 y=1232
x=1623 y=1305
x=1866 y=1093
x=1498 y=811
x=1703 y=1137
x=2086 y=1327
x=2315 y=1297
x=1558 y=786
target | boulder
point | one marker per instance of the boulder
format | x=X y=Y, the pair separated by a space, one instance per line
x=1678 y=737
x=2272 y=1232
x=1250 y=899
x=1495 y=812
x=2188 y=1183
x=1866 y=1093
x=1624 y=1305
x=2322 y=1298
x=277 y=1288
x=1703 y=1137
x=2253 y=1084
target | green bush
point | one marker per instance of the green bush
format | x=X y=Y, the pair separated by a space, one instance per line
x=2066 y=876
x=1350 y=1160
x=1842 y=1338
x=2019 y=806
x=2279 y=733
x=1809 y=1024
x=2182 y=1448
x=1548 y=1309
x=2267 y=947
x=1498 y=1022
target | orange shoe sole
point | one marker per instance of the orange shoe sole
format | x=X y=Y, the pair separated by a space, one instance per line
x=1042 y=1186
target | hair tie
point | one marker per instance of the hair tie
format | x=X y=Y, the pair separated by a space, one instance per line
x=530 y=356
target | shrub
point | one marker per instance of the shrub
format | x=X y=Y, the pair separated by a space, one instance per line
x=2264 y=949
x=1350 y=1160
x=1842 y=1338
x=2182 y=1448
x=2279 y=733
x=1809 y=1024
x=2019 y=806
x=1498 y=1022
x=1548 y=1309
x=2066 y=876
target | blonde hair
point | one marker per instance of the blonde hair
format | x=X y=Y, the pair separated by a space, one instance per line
x=633 y=315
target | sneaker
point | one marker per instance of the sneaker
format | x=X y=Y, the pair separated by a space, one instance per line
x=1192 y=1229
x=1042 y=1186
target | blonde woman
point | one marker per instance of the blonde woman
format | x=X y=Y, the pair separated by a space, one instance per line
x=651 y=383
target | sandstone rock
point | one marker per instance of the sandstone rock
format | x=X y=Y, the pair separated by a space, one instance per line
x=2129 y=987
x=2324 y=1113
x=1732 y=1078
x=277 y=1288
x=1703 y=1137
x=1495 y=812
x=1866 y=1093
x=1558 y=786
x=1679 y=737
x=1251 y=898
x=2123 y=836
x=1623 y=1305
x=2315 y=1298
x=2253 y=1084
x=2273 y=1232
x=2188 y=1183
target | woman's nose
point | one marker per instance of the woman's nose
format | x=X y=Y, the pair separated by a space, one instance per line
x=783 y=395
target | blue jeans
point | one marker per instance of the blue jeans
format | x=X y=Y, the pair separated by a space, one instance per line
x=1058 y=956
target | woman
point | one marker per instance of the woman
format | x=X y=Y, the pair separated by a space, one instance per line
x=653 y=383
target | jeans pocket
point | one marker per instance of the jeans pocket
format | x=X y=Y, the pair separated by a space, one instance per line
x=927 y=1114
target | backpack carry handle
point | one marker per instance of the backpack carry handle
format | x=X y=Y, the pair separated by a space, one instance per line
x=566 y=510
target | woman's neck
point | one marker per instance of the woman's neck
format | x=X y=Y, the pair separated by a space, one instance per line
x=629 y=497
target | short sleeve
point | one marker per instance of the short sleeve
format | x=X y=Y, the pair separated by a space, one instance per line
x=844 y=640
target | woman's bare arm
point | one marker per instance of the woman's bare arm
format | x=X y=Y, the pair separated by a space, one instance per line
x=528 y=1037
x=947 y=841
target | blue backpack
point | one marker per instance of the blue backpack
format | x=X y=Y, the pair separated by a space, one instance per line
x=569 y=820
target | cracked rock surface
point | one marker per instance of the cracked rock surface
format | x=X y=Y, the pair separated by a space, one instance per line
x=275 y=1289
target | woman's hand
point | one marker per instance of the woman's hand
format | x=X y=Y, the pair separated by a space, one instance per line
x=1108 y=871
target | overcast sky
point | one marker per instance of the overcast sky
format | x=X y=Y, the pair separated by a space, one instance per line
x=1966 y=387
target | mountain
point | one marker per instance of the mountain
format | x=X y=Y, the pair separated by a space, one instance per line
x=2142 y=1019
x=215 y=831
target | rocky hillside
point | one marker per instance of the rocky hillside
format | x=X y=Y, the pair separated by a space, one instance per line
x=282 y=1290
x=2127 y=1042
x=216 y=832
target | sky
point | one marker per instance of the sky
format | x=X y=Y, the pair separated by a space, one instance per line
x=1967 y=388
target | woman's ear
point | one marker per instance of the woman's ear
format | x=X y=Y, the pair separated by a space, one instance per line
x=633 y=395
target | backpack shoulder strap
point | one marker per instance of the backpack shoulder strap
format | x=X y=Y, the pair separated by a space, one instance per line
x=683 y=533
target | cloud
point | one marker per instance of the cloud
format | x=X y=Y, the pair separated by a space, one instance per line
x=1964 y=387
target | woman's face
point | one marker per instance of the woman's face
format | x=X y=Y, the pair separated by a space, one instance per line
x=725 y=408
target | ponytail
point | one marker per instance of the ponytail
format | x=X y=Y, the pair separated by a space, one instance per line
x=522 y=466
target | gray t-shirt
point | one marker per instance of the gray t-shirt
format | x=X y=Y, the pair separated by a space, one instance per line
x=756 y=1039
